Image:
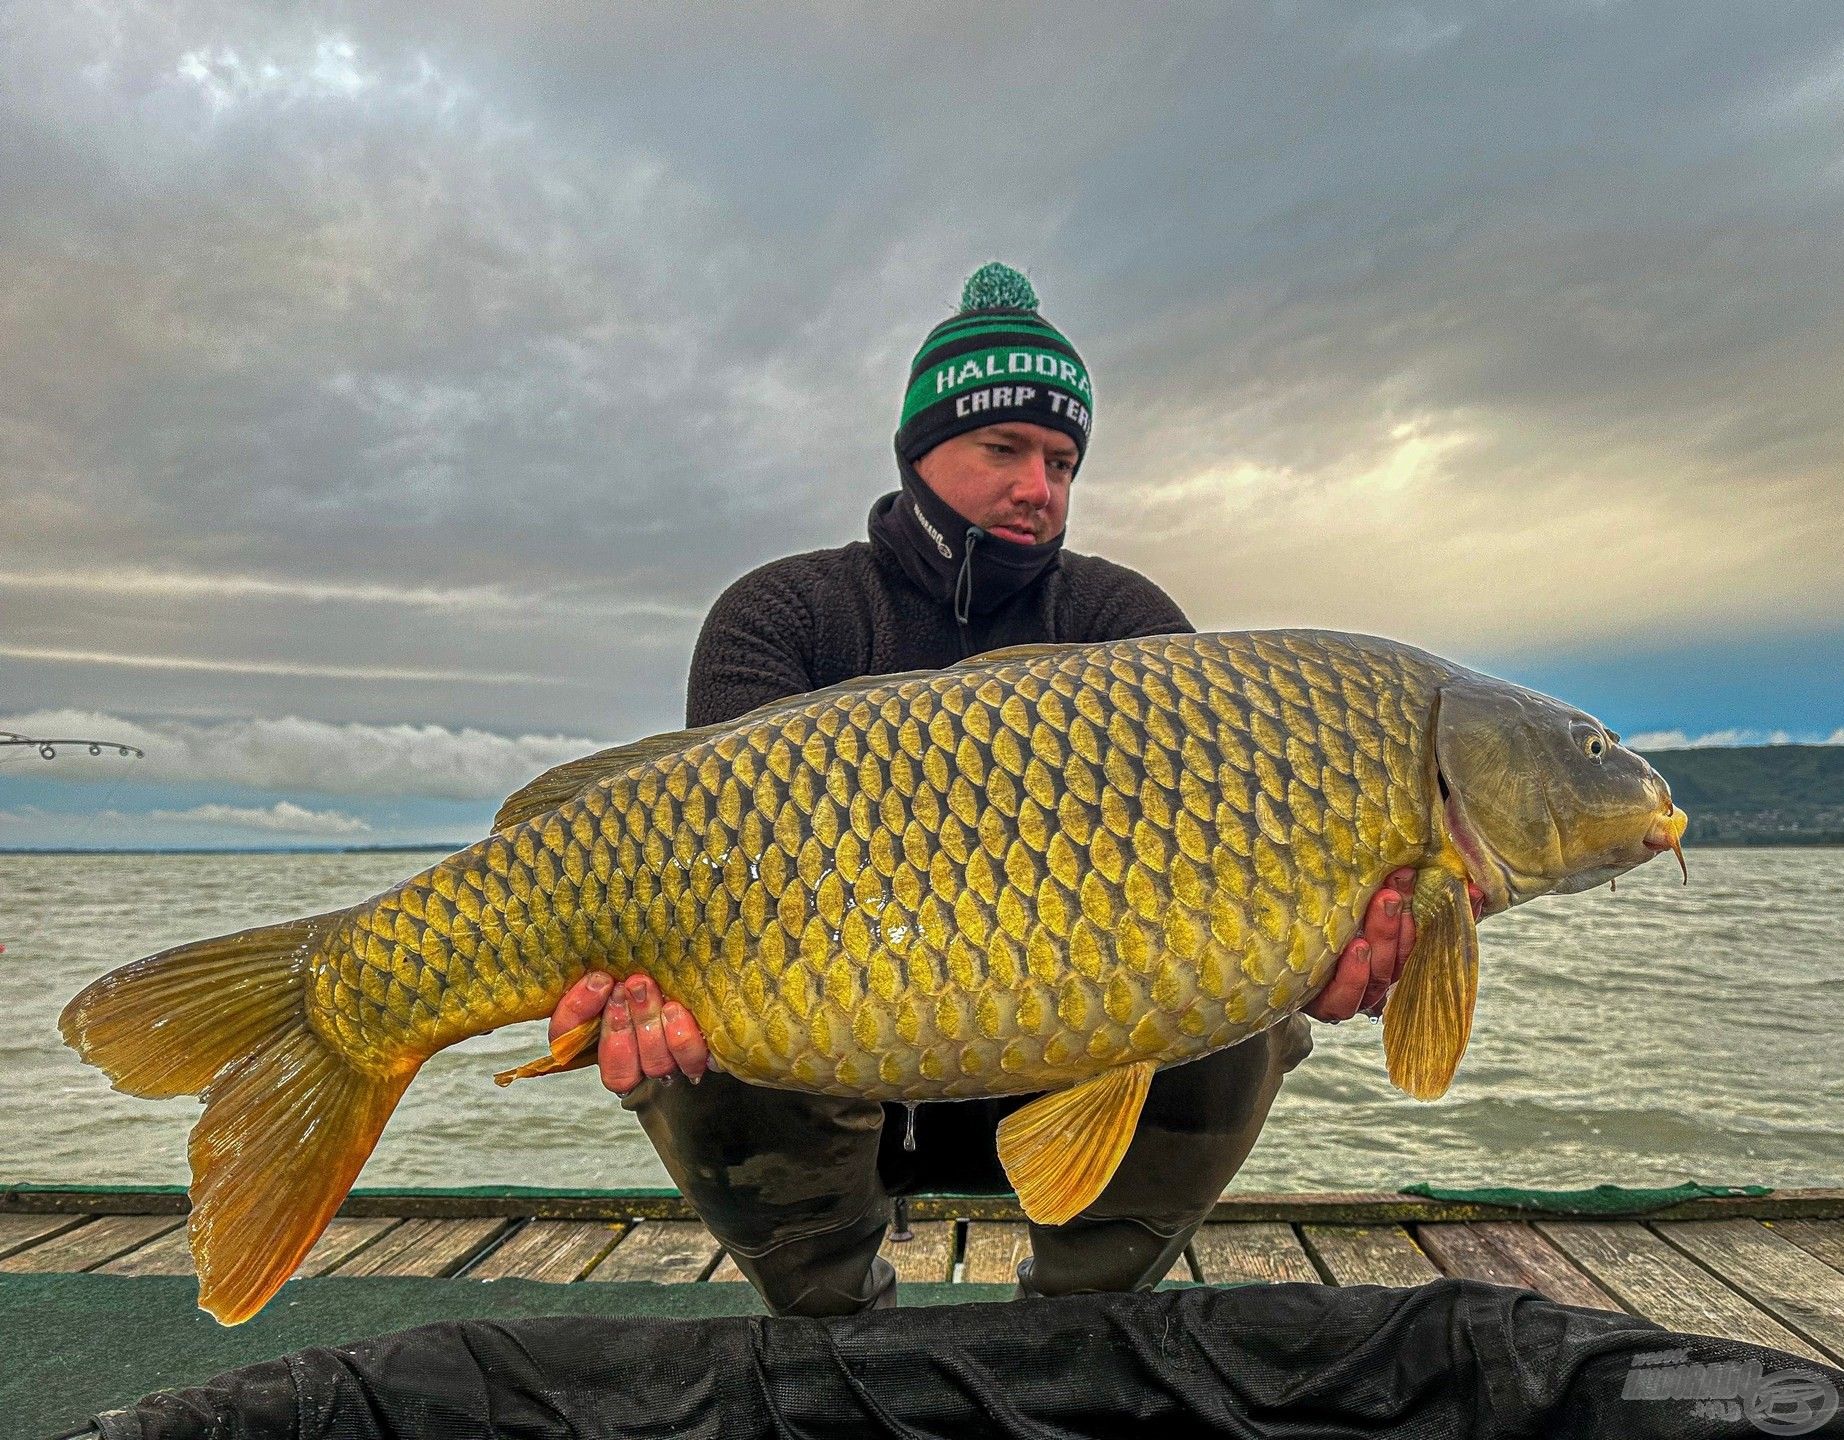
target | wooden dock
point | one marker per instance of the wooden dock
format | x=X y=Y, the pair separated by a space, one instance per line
x=1767 y=1270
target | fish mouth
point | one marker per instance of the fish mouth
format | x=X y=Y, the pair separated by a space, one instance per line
x=1667 y=833
x=1501 y=882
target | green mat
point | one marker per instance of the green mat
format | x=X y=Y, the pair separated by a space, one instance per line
x=1601 y=1200
x=71 y=1345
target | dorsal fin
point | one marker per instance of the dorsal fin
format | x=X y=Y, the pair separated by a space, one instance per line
x=1010 y=653
x=565 y=782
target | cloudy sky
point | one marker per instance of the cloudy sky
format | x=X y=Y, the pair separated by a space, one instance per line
x=386 y=391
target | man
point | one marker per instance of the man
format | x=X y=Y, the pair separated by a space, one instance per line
x=965 y=558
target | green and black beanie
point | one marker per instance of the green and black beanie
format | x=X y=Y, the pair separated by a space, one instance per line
x=997 y=360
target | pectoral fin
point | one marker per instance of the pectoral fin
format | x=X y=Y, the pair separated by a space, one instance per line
x=566 y=1051
x=1429 y=1017
x=1061 y=1150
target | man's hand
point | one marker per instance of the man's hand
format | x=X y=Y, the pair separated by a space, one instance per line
x=1373 y=961
x=643 y=1036
x=1368 y=966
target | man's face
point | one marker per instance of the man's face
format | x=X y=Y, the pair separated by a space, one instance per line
x=1012 y=480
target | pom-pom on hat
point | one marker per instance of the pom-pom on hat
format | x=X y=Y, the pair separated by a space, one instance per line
x=996 y=360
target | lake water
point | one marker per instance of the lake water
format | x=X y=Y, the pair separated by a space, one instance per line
x=1656 y=1035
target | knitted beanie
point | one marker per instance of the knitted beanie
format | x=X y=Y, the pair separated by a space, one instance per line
x=996 y=360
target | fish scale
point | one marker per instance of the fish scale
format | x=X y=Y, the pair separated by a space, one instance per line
x=978 y=881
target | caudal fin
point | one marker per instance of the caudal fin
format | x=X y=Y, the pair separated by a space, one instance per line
x=288 y=1119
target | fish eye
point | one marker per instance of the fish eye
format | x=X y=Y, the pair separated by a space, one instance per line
x=1593 y=741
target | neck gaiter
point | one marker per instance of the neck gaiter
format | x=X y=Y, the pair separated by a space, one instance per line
x=949 y=558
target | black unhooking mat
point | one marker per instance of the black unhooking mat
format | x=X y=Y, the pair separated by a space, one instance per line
x=1452 y=1358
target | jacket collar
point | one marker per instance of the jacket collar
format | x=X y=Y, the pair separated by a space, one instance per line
x=953 y=561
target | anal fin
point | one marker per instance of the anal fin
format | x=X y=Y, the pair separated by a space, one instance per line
x=1061 y=1150
x=567 y=1052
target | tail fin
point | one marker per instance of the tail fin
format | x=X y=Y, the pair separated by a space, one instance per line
x=288 y=1119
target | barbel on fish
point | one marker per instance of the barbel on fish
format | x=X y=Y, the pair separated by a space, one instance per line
x=1053 y=868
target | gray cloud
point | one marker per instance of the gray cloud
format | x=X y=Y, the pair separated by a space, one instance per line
x=297 y=754
x=281 y=818
x=1679 y=740
x=192 y=665
x=482 y=344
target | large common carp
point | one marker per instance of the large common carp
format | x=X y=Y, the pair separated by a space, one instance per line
x=1053 y=868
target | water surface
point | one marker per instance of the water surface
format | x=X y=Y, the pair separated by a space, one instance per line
x=1651 y=1036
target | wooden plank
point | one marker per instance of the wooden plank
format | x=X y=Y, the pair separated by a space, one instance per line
x=672 y=1252
x=994 y=1249
x=1381 y=1207
x=169 y=1254
x=1651 y=1279
x=1460 y=1251
x=106 y=1200
x=1368 y=1254
x=555 y=1250
x=424 y=1247
x=524 y=1204
x=1801 y=1292
x=1317 y=1207
x=18 y=1232
x=928 y=1258
x=341 y=1240
x=1509 y=1252
x=1823 y=1238
x=728 y=1271
x=1255 y=1250
x=87 y=1246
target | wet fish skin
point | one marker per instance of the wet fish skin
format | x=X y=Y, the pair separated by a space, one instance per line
x=986 y=880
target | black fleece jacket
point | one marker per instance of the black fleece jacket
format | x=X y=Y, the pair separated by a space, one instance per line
x=817 y=619
x=814 y=620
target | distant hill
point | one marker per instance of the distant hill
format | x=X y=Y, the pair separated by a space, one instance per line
x=1758 y=794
